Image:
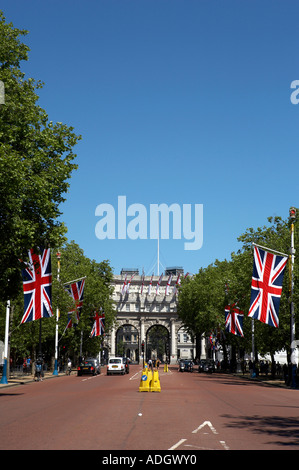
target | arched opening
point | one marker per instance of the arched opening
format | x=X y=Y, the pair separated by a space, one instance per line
x=157 y=343
x=127 y=342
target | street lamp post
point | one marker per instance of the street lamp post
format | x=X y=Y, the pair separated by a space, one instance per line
x=293 y=341
x=55 y=372
x=5 y=365
x=142 y=350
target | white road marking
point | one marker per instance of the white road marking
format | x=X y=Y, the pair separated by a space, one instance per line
x=201 y=426
x=223 y=443
x=134 y=376
x=177 y=444
x=206 y=423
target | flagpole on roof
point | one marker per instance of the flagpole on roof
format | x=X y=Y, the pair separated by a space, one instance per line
x=158 y=248
x=55 y=372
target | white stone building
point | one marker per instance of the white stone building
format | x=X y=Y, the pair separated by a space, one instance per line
x=142 y=303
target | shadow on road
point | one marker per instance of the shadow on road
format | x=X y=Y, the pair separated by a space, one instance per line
x=283 y=431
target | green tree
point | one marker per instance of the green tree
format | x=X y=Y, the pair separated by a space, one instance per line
x=36 y=161
x=202 y=299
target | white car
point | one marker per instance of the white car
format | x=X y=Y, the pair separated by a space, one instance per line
x=116 y=365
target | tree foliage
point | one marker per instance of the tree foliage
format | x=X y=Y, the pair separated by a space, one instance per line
x=36 y=161
x=36 y=164
x=202 y=299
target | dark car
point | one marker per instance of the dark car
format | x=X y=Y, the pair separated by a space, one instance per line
x=89 y=366
x=186 y=365
x=206 y=366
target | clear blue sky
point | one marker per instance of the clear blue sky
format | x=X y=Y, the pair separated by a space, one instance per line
x=177 y=101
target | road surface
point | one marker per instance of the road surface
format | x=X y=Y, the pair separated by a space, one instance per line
x=192 y=412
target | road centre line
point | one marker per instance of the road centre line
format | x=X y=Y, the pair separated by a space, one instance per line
x=177 y=444
x=134 y=376
x=92 y=377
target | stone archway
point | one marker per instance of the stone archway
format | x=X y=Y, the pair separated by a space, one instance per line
x=158 y=343
x=143 y=308
x=127 y=340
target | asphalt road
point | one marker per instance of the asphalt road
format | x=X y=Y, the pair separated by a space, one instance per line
x=192 y=412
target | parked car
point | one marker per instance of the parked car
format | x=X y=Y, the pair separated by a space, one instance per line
x=89 y=366
x=206 y=365
x=116 y=365
x=186 y=365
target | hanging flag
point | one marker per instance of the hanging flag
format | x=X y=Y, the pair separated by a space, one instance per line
x=150 y=286
x=168 y=284
x=178 y=282
x=266 y=286
x=98 y=328
x=129 y=283
x=158 y=285
x=76 y=290
x=124 y=287
x=213 y=341
x=234 y=320
x=37 y=286
x=70 y=318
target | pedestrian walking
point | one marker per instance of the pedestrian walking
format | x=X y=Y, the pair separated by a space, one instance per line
x=38 y=376
x=69 y=367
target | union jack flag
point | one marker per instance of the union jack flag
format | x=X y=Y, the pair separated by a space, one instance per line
x=129 y=283
x=70 y=318
x=150 y=286
x=266 y=286
x=177 y=284
x=76 y=291
x=234 y=320
x=124 y=287
x=213 y=341
x=37 y=286
x=98 y=328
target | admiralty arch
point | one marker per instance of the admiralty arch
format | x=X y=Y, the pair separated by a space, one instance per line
x=144 y=303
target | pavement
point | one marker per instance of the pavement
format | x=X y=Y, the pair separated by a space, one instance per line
x=23 y=379
x=264 y=379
